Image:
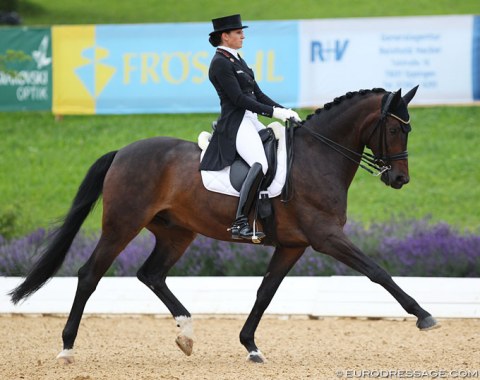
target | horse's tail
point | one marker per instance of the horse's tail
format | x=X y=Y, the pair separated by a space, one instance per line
x=60 y=241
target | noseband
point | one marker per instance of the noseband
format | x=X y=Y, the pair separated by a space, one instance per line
x=378 y=164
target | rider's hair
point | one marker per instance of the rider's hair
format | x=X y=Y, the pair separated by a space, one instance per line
x=215 y=39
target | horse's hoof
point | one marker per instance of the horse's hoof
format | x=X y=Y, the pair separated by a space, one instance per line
x=427 y=323
x=66 y=357
x=185 y=344
x=256 y=357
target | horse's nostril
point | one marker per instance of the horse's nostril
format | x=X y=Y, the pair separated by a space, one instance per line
x=403 y=179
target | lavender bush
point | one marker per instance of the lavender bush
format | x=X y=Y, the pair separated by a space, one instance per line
x=403 y=247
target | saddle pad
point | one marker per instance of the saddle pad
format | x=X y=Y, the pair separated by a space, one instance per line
x=219 y=181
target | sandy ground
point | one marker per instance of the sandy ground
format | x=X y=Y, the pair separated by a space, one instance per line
x=143 y=347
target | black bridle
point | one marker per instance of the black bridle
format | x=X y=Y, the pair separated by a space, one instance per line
x=380 y=163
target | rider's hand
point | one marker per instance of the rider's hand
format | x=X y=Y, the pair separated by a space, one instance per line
x=294 y=115
x=284 y=114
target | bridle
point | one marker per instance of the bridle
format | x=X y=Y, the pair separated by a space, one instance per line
x=374 y=164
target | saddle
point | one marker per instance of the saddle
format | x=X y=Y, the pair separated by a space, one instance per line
x=239 y=168
x=230 y=179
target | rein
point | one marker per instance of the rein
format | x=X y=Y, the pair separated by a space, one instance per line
x=364 y=159
x=378 y=164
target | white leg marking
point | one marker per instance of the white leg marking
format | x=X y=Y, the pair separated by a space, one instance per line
x=185 y=338
x=66 y=356
x=256 y=353
x=186 y=326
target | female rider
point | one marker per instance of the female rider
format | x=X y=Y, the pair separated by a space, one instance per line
x=237 y=126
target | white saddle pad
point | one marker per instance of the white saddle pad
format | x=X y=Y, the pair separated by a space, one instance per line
x=219 y=181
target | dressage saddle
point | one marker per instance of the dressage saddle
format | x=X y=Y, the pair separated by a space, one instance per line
x=239 y=168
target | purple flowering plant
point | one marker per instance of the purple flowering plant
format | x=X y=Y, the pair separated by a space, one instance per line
x=402 y=247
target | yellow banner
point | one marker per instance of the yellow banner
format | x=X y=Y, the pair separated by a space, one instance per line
x=70 y=94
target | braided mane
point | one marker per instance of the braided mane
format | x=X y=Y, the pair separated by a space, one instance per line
x=340 y=99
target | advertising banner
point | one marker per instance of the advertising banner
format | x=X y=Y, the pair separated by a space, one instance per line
x=162 y=68
x=25 y=77
x=476 y=58
x=344 y=55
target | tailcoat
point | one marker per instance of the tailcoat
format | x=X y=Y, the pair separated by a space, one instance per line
x=238 y=91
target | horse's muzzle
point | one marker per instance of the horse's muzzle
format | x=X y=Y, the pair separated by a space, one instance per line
x=396 y=181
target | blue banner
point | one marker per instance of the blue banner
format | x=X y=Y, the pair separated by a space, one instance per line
x=163 y=68
x=476 y=58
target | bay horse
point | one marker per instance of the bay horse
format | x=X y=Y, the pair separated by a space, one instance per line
x=156 y=184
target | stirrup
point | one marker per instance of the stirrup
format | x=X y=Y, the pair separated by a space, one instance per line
x=257 y=235
x=242 y=230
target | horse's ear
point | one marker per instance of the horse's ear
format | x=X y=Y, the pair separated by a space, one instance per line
x=396 y=99
x=410 y=94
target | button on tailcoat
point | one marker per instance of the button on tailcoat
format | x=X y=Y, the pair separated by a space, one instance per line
x=238 y=91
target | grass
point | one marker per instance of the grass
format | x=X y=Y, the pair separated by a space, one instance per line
x=43 y=162
x=48 y=12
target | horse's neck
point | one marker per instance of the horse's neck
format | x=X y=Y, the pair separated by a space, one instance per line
x=346 y=126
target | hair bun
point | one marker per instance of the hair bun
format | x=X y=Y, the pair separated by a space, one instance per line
x=215 y=39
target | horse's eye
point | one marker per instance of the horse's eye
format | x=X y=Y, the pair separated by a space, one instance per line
x=393 y=130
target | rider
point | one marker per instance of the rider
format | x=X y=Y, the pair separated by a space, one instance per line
x=237 y=126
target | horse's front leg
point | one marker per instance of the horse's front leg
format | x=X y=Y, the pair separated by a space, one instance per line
x=340 y=247
x=282 y=261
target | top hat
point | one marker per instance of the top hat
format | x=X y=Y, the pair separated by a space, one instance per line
x=227 y=23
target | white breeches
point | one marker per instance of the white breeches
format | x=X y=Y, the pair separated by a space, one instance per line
x=249 y=145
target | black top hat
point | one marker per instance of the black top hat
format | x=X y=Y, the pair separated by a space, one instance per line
x=224 y=24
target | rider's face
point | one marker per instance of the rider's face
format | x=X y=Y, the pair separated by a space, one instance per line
x=233 y=39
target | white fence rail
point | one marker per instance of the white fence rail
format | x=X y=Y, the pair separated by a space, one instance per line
x=347 y=296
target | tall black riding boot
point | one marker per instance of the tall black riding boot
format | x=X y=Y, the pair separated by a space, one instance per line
x=240 y=228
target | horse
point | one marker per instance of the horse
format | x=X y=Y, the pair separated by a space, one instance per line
x=155 y=184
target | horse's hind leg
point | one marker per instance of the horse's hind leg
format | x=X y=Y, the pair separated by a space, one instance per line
x=89 y=275
x=170 y=245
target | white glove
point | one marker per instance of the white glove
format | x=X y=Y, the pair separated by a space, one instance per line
x=294 y=115
x=284 y=114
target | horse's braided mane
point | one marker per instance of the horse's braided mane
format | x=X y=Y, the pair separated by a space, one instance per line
x=348 y=95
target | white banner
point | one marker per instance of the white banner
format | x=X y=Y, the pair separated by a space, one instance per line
x=337 y=56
